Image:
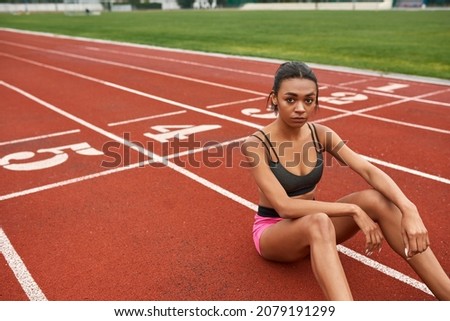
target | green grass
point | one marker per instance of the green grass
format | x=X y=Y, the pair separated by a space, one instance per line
x=408 y=42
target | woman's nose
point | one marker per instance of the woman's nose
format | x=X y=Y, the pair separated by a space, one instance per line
x=300 y=108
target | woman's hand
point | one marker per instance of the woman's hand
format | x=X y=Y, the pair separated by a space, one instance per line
x=372 y=231
x=414 y=233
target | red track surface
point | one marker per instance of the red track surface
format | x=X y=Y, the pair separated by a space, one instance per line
x=83 y=230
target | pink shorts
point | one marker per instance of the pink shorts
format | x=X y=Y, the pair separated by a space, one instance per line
x=260 y=225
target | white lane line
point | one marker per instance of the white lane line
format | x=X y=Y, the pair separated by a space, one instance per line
x=22 y=140
x=185 y=62
x=418 y=98
x=384 y=269
x=346 y=113
x=235 y=102
x=71 y=181
x=353 y=82
x=137 y=92
x=127 y=66
x=407 y=170
x=124 y=122
x=212 y=186
x=178 y=104
x=403 y=123
x=19 y=269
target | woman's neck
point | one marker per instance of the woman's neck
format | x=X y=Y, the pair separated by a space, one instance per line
x=285 y=132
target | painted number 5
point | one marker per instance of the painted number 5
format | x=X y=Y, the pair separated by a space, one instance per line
x=59 y=157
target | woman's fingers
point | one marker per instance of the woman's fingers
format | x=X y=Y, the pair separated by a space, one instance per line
x=415 y=236
x=374 y=239
x=371 y=230
x=416 y=243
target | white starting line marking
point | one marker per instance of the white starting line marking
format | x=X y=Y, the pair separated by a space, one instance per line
x=19 y=269
x=124 y=122
x=22 y=140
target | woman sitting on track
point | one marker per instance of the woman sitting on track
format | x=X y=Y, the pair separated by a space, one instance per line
x=286 y=160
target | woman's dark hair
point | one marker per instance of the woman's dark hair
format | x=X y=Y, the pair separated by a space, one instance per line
x=289 y=70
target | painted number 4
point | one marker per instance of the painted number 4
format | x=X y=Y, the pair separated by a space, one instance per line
x=59 y=157
x=167 y=132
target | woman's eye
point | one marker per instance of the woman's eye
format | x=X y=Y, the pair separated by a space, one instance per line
x=309 y=101
x=290 y=100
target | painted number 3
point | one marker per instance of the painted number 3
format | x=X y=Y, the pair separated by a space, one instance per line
x=343 y=98
x=59 y=157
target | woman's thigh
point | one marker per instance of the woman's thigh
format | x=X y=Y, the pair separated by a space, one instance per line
x=285 y=241
x=290 y=239
x=370 y=201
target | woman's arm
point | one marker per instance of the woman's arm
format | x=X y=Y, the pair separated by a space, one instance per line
x=415 y=235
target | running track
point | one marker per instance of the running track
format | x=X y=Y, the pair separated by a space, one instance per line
x=122 y=178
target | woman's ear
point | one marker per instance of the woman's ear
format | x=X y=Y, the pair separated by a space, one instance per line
x=274 y=99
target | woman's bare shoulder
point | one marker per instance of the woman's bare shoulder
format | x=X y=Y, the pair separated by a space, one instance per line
x=321 y=129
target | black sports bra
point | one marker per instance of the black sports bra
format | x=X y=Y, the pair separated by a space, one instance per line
x=295 y=185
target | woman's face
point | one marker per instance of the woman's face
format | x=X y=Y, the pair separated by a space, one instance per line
x=296 y=100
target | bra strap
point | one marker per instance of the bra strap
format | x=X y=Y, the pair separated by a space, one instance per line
x=265 y=145
x=317 y=144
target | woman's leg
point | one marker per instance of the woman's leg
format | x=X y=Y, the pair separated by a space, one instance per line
x=388 y=216
x=290 y=240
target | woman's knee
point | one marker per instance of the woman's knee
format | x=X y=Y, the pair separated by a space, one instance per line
x=320 y=228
